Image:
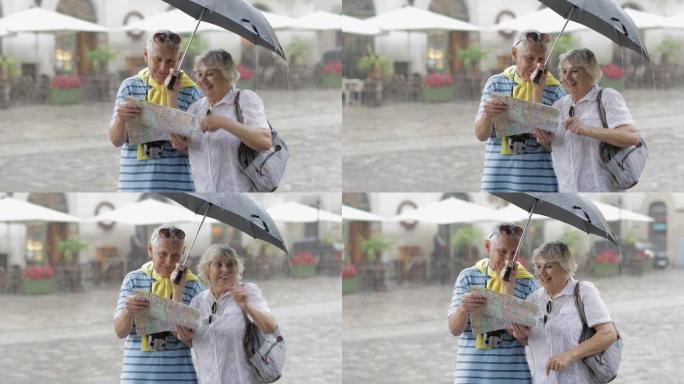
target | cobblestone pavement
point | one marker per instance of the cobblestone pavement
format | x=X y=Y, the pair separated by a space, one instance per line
x=401 y=336
x=50 y=148
x=419 y=147
x=68 y=338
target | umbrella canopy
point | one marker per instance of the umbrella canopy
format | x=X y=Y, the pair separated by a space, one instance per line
x=613 y=213
x=356 y=26
x=604 y=17
x=234 y=209
x=237 y=16
x=319 y=21
x=416 y=19
x=148 y=212
x=299 y=213
x=450 y=211
x=14 y=211
x=543 y=20
x=569 y=208
x=353 y=214
x=43 y=20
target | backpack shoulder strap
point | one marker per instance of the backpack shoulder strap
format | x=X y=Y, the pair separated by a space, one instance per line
x=601 y=110
x=238 y=109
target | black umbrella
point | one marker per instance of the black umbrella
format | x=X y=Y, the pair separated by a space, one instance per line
x=234 y=209
x=569 y=208
x=237 y=16
x=603 y=16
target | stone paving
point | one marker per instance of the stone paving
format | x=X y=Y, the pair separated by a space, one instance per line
x=68 y=338
x=420 y=147
x=401 y=336
x=50 y=148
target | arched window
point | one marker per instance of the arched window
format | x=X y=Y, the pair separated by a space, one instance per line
x=71 y=48
x=443 y=46
x=42 y=239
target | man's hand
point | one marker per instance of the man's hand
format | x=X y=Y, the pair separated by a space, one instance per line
x=178 y=288
x=135 y=304
x=509 y=286
x=127 y=111
x=493 y=108
x=471 y=301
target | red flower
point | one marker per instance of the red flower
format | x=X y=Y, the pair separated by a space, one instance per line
x=437 y=80
x=304 y=258
x=38 y=272
x=349 y=270
x=607 y=257
x=612 y=71
x=245 y=73
x=66 y=82
x=333 y=67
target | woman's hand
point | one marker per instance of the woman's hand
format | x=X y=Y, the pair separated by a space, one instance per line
x=520 y=332
x=179 y=143
x=575 y=125
x=559 y=362
x=185 y=335
x=544 y=138
x=212 y=123
x=240 y=297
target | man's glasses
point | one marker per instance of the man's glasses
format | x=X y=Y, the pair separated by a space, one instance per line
x=162 y=37
x=548 y=311
x=214 y=307
x=169 y=232
x=535 y=37
x=508 y=230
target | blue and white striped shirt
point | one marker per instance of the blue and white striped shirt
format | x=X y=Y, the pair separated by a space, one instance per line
x=531 y=171
x=504 y=364
x=174 y=363
x=169 y=172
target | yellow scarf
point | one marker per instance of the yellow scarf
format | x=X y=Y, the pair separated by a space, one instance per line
x=161 y=287
x=157 y=95
x=521 y=91
x=494 y=284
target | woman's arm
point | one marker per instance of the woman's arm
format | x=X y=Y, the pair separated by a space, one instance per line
x=259 y=139
x=605 y=335
x=622 y=136
x=262 y=319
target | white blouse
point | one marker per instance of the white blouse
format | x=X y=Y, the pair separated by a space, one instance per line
x=576 y=158
x=218 y=345
x=213 y=155
x=562 y=332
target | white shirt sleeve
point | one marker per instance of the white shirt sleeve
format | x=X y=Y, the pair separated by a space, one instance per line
x=256 y=297
x=617 y=113
x=253 y=111
x=594 y=308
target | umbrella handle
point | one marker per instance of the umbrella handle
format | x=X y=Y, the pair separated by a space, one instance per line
x=174 y=77
x=538 y=76
x=507 y=273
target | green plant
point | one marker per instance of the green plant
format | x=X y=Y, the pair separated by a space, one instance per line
x=668 y=49
x=100 y=57
x=374 y=247
x=566 y=43
x=471 y=55
x=70 y=247
x=10 y=67
x=198 y=45
x=374 y=65
x=328 y=239
x=572 y=239
x=298 y=49
x=630 y=239
x=467 y=236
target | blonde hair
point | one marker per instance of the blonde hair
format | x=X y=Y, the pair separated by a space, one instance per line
x=221 y=252
x=557 y=252
x=584 y=59
x=221 y=61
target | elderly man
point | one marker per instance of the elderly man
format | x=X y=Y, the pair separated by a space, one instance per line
x=161 y=356
x=518 y=163
x=493 y=357
x=154 y=166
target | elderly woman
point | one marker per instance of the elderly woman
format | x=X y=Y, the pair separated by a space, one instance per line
x=218 y=341
x=553 y=344
x=214 y=154
x=575 y=150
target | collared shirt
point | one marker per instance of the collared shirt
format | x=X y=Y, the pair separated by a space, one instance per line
x=504 y=364
x=174 y=363
x=576 y=159
x=169 y=172
x=214 y=156
x=531 y=171
x=218 y=345
x=562 y=331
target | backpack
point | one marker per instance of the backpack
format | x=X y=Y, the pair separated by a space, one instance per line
x=263 y=169
x=604 y=365
x=625 y=165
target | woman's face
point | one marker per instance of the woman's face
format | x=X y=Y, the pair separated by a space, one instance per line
x=550 y=275
x=576 y=81
x=222 y=273
x=212 y=83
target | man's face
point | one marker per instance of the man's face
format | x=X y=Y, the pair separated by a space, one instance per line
x=500 y=251
x=165 y=254
x=161 y=61
x=526 y=59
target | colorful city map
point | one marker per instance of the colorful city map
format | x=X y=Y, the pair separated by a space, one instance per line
x=501 y=311
x=163 y=315
x=156 y=122
x=524 y=116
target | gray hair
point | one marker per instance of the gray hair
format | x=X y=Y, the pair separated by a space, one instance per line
x=557 y=252
x=220 y=60
x=496 y=234
x=173 y=232
x=521 y=40
x=149 y=46
x=582 y=58
x=221 y=252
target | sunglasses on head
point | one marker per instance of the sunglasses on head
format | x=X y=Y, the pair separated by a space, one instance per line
x=162 y=37
x=172 y=232
x=535 y=37
x=508 y=230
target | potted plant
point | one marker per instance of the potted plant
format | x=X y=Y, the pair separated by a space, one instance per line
x=70 y=249
x=606 y=264
x=613 y=77
x=65 y=89
x=350 y=280
x=9 y=71
x=99 y=58
x=304 y=265
x=247 y=77
x=376 y=68
x=38 y=279
x=469 y=81
x=465 y=241
x=438 y=87
x=373 y=248
x=331 y=75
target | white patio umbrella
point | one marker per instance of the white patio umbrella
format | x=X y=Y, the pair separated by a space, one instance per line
x=149 y=212
x=43 y=20
x=14 y=211
x=318 y=21
x=279 y=21
x=645 y=20
x=4 y=32
x=613 y=213
x=450 y=211
x=513 y=213
x=299 y=213
x=675 y=21
x=354 y=214
x=174 y=20
x=544 y=20
x=356 y=26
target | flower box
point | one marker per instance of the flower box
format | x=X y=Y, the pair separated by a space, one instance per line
x=616 y=84
x=605 y=270
x=38 y=287
x=350 y=285
x=303 y=271
x=331 y=80
x=438 y=94
x=60 y=96
x=247 y=83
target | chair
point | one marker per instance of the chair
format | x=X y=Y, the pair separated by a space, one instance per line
x=415 y=87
